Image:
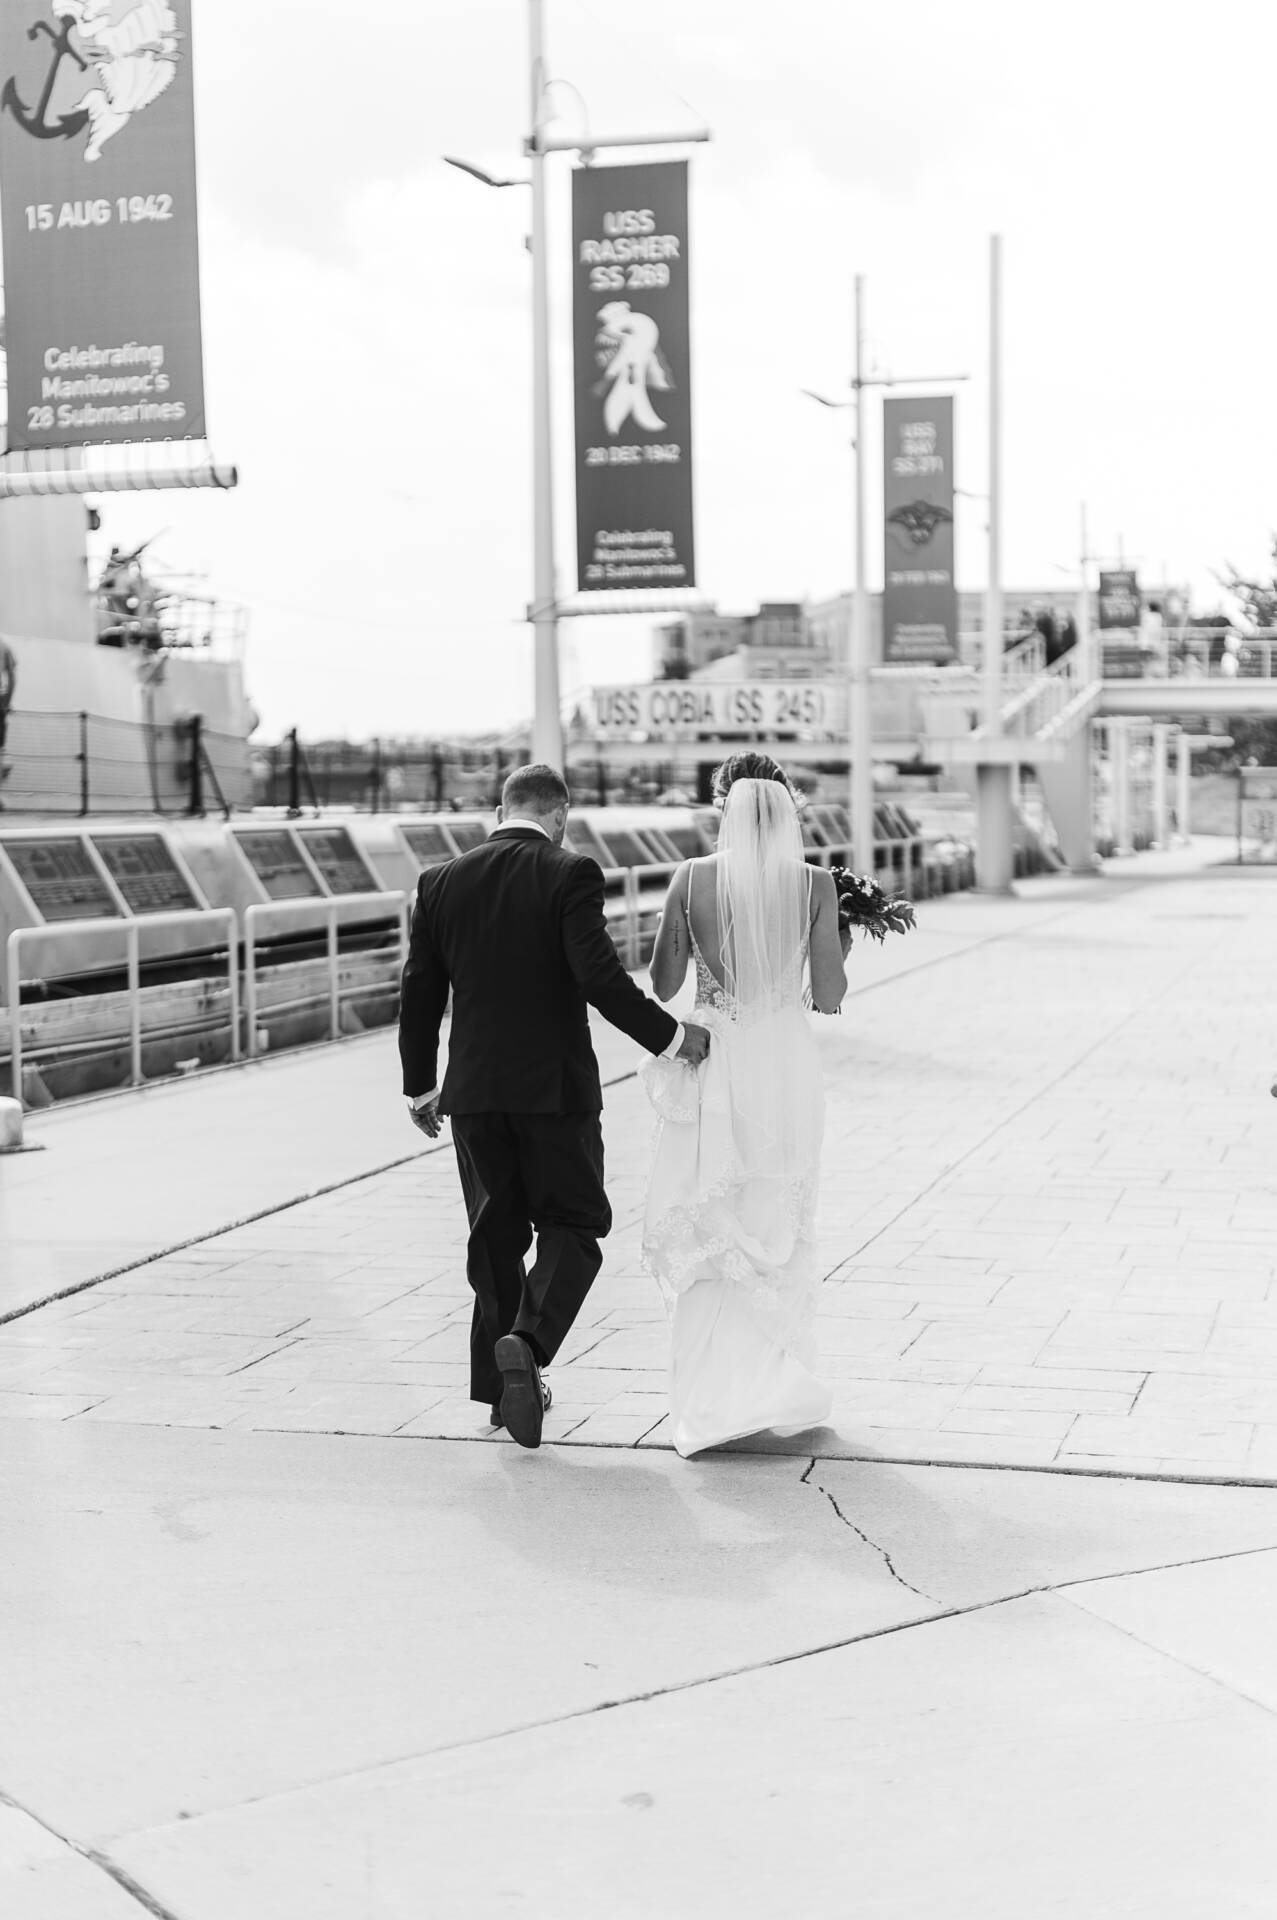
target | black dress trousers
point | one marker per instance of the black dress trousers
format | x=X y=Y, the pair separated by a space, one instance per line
x=526 y=1174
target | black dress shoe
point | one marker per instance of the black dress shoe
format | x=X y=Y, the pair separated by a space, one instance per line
x=524 y=1397
x=547 y=1401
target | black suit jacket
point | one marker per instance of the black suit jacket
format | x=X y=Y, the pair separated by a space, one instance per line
x=516 y=929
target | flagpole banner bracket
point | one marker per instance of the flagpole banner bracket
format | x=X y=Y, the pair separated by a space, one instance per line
x=632 y=378
x=101 y=246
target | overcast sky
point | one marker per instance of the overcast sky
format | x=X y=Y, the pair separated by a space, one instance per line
x=367 y=331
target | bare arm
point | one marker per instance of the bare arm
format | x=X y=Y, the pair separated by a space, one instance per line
x=828 y=971
x=673 y=940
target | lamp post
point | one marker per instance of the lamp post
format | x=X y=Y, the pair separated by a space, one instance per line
x=995 y=845
x=993 y=590
x=544 y=610
x=859 y=710
x=547 y=717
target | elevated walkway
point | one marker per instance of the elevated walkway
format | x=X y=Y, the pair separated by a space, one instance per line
x=1046 y=707
x=1181 y=699
x=1045 y=724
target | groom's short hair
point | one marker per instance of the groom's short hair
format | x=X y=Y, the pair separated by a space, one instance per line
x=534 y=789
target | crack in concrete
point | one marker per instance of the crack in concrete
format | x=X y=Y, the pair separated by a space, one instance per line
x=860 y=1534
x=102 y=1861
x=1057 y=1588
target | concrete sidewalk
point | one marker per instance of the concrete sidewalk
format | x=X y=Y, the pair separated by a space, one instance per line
x=1049 y=1218
x=294 y=1637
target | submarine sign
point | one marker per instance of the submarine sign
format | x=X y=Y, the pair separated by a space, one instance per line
x=684 y=709
x=632 y=362
x=97 y=195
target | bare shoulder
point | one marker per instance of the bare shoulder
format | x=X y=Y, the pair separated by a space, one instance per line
x=698 y=872
x=824 y=890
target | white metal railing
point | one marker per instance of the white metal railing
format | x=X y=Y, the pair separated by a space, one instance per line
x=1025 y=660
x=1188 y=655
x=1046 y=704
x=268 y=909
x=131 y=928
x=902 y=854
x=902 y=857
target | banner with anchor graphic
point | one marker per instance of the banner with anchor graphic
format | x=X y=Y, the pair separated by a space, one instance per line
x=632 y=358
x=97 y=198
x=920 y=600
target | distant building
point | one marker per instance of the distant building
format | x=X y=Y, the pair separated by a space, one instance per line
x=794 y=640
x=776 y=643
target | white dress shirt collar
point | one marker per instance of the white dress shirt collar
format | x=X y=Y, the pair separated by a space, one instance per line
x=533 y=826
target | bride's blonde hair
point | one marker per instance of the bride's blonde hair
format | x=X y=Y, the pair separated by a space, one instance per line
x=750 y=766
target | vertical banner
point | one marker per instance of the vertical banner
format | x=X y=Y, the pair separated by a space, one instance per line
x=97 y=198
x=1120 y=599
x=920 y=599
x=632 y=361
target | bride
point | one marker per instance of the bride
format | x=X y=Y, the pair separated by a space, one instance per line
x=728 y=1231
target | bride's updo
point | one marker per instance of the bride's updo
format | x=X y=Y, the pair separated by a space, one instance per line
x=750 y=766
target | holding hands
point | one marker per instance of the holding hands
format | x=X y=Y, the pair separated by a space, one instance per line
x=695 y=1048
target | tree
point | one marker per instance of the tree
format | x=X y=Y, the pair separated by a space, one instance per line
x=1257 y=598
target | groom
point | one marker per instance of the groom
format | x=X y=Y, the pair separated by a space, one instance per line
x=515 y=929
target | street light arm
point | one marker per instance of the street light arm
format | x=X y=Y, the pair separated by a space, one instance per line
x=822 y=401
x=916 y=380
x=477 y=173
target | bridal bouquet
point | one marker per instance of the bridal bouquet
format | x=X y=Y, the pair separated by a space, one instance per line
x=863 y=903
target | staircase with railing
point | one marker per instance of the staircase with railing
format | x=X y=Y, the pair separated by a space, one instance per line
x=1043 y=710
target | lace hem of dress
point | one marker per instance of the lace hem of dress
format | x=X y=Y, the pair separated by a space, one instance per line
x=672 y=1089
x=674 y=1248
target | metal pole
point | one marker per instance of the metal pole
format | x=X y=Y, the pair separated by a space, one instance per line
x=993 y=592
x=995 y=840
x=547 y=725
x=135 y=1004
x=334 y=990
x=294 y=775
x=250 y=981
x=195 y=798
x=232 y=984
x=84 y=765
x=1161 y=833
x=1087 y=667
x=859 y=713
x=1121 y=762
x=14 y=993
x=1183 y=775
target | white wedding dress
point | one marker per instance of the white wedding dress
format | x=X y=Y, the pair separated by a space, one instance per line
x=729 y=1223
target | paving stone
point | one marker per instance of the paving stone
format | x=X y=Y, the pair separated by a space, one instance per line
x=1026 y=1219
